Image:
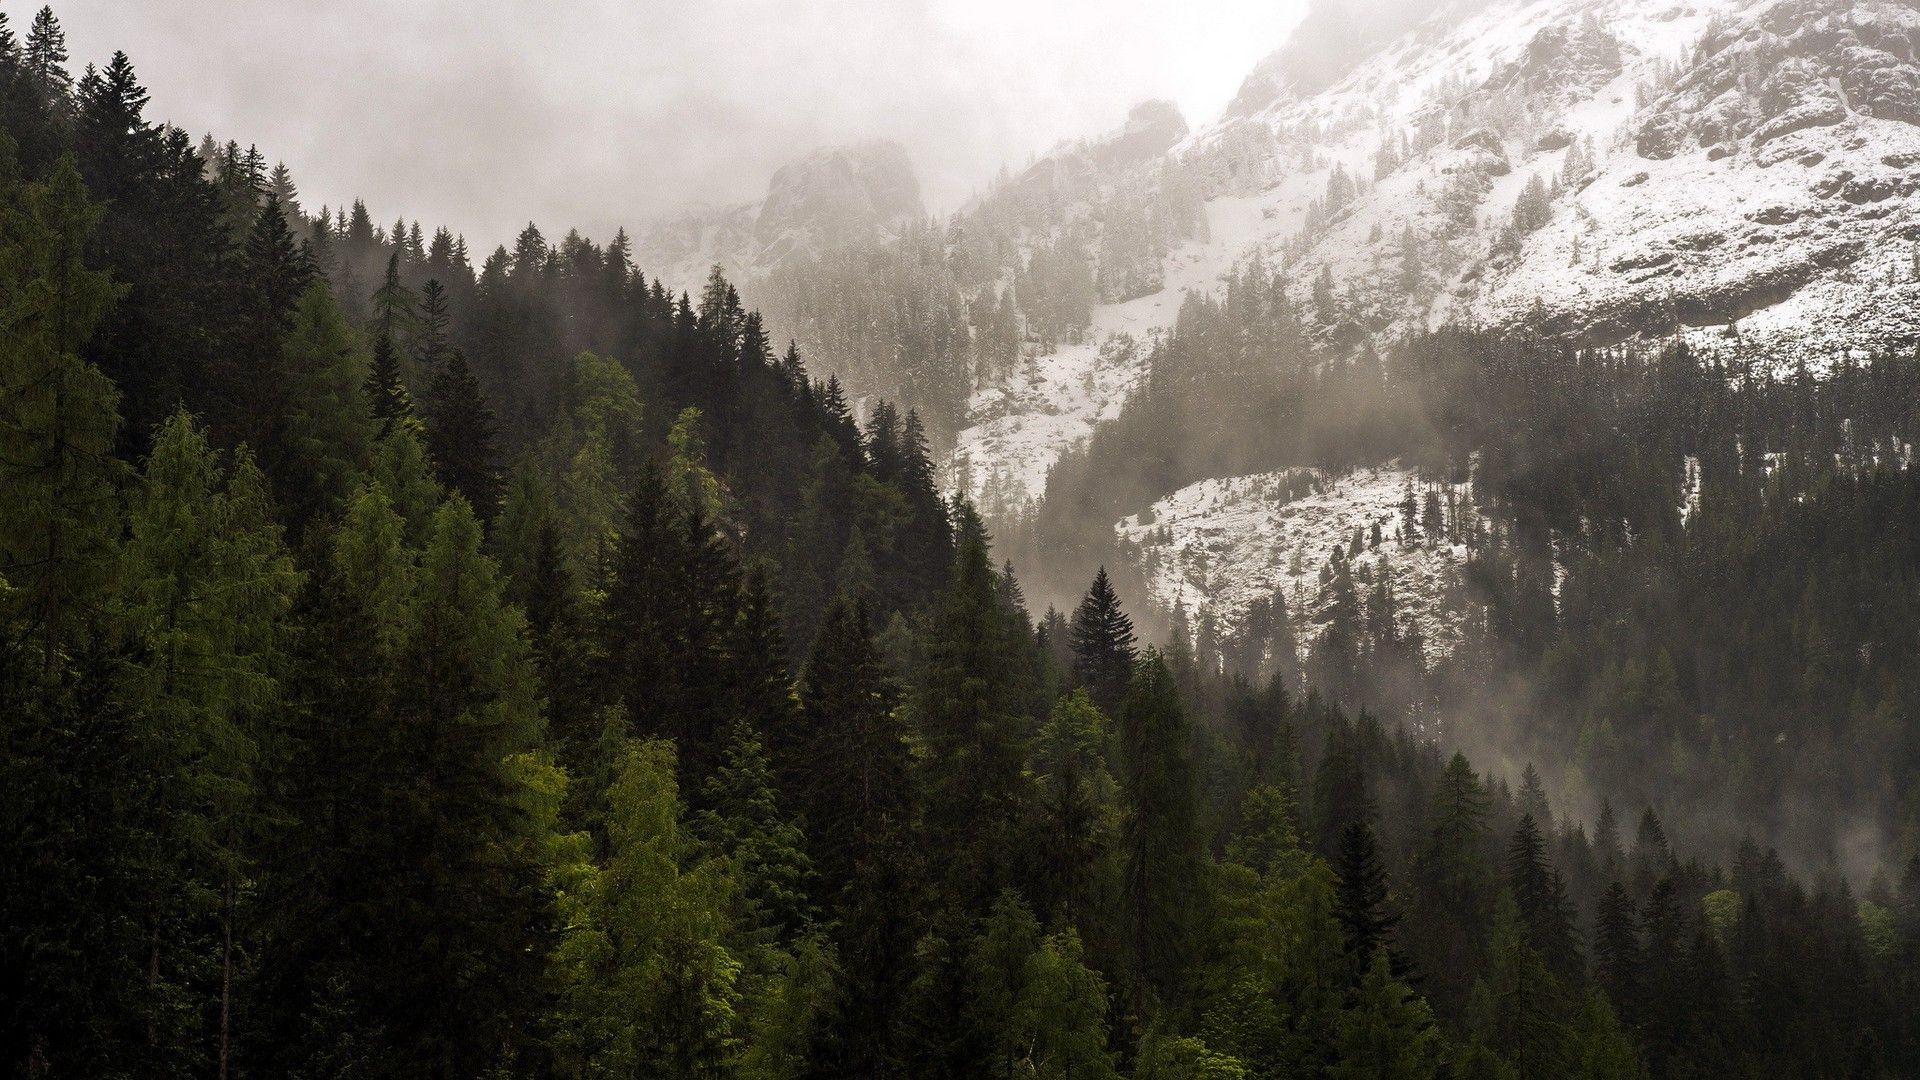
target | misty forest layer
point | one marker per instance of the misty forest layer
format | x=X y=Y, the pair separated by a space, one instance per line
x=414 y=669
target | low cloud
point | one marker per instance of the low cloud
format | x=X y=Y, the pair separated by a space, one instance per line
x=484 y=113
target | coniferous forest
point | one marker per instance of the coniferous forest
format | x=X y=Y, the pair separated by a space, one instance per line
x=424 y=662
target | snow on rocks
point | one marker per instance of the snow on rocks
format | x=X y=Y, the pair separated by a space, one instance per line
x=1020 y=428
x=1217 y=546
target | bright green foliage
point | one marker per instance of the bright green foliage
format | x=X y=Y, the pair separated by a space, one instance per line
x=1386 y=1032
x=1720 y=911
x=792 y=1015
x=1076 y=821
x=401 y=469
x=586 y=455
x=1172 y=1057
x=1518 y=1009
x=1599 y=1047
x=1275 y=970
x=1064 y=1012
x=1037 y=1009
x=329 y=436
x=744 y=820
x=694 y=485
x=650 y=988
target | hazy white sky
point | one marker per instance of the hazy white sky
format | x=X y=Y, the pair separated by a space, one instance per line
x=484 y=113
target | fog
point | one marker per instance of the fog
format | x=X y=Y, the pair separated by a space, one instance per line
x=481 y=114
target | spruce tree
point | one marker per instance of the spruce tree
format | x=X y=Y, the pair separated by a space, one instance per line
x=1103 y=644
x=1160 y=842
x=1365 y=919
x=1076 y=812
x=969 y=721
x=1616 y=949
x=1546 y=916
x=46 y=56
x=207 y=587
x=461 y=430
x=848 y=770
x=58 y=414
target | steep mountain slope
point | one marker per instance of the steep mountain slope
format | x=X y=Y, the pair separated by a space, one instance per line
x=1740 y=172
x=832 y=197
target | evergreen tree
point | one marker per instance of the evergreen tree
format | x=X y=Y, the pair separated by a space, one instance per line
x=1077 y=811
x=849 y=771
x=1452 y=888
x=1616 y=949
x=57 y=412
x=1364 y=917
x=460 y=434
x=1159 y=833
x=1103 y=645
x=969 y=722
x=651 y=989
x=207 y=586
x=45 y=58
x=328 y=437
x=1387 y=1031
x=1546 y=916
x=766 y=850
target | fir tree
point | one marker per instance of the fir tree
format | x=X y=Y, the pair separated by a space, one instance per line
x=1362 y=896
x=969 y=722
x=1103 y=644
x=57 y=413
x=1159 y=834
x=460 y=434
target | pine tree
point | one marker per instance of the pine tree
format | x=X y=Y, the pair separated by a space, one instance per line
x=1546 y=916
x=328 y=434
x=394 y=313
x=57 y=413
x=432 y=344
x=1077 y=811
x=461 y=429
x=388 y=402
x=1386 y=1032
x=767 y=852
x=1452 y=887
x=848 y=771
x=1362 y=908
x=46 y=56
x=665 y=623
x=969 y=722
x=1103 y=644
x=207 y=587
x=1518 y=1008
x=254 y=386
x=651 y=989
x=1616 y=949
x=1159 y=834
x=411 y=897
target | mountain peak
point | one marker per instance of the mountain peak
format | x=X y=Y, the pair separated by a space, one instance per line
x=828 y=197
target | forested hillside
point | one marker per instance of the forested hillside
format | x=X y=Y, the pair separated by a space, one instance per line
x=415 y=669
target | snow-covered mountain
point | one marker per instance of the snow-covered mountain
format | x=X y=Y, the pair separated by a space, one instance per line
x=1740 y=172
x=831 y=197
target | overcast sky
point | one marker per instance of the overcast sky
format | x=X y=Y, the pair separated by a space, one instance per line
x=484 y=113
